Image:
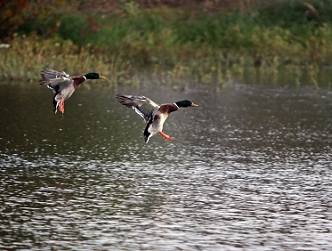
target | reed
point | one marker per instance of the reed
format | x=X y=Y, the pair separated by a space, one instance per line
x=176 y=45
x=27 y=56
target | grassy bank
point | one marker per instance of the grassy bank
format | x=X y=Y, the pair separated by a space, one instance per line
x=175 y=44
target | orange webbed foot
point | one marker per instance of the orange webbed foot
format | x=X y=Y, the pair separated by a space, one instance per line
x=62 y=105
x=165 y=136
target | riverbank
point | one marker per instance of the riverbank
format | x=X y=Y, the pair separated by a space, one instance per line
x=174 y=43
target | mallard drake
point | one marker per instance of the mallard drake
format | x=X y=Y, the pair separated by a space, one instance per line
x=155 y=116
x=63 y=85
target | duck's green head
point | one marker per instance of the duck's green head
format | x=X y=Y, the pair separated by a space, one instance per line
x=93 y=75
x=185 y=103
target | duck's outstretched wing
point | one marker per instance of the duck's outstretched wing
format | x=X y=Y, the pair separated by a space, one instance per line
x=138 y=103
x=53 y=78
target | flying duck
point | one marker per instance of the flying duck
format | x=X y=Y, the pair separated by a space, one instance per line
x=156 y=115
x=63 y=86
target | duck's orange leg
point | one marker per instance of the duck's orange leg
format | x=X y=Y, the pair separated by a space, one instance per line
x=165 y=136
x=62 y=105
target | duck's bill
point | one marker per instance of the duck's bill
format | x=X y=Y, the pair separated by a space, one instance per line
x=194 y=105
x=101 y=77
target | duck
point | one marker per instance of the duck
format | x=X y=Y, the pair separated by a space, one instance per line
x=155 y=115
x=63 y=86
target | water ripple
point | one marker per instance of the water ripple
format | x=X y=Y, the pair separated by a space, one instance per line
x=257 y=177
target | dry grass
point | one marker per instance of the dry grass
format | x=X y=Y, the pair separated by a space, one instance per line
x=28 y=55
x=173 y=44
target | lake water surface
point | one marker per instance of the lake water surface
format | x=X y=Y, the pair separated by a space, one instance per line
x=249 y=169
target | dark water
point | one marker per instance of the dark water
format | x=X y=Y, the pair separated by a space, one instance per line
x=250 y=169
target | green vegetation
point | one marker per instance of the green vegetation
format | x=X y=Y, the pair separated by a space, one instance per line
x=172 y=44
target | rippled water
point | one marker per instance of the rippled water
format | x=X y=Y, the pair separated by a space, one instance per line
x=250 y=169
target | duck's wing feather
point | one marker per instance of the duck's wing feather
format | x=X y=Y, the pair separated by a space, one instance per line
x=53 y=78
x=142 y=105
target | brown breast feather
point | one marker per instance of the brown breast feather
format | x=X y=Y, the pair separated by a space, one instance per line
x=168 y=108
x=78 y=80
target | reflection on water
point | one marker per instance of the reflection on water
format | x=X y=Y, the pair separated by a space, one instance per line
x=250 y=169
